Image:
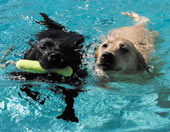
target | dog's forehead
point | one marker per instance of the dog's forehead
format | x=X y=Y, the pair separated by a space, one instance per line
x=119 y=41
x=115 y=44
x=49 y=43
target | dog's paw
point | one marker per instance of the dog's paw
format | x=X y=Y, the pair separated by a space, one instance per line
x=132 y=14
x=136 y=17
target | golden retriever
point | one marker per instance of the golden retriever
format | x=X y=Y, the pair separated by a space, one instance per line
x=125 y=50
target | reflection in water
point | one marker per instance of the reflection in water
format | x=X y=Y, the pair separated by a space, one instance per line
x=163 y=101
x=36 y=96
x=69 y=96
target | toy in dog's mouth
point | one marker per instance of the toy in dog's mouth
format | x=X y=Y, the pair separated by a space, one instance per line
x=33 y=66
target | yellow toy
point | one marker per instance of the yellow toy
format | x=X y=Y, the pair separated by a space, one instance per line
x=33 y=66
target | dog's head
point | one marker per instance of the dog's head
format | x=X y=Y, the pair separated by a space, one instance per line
x=55 y=53
x=119 y=55
x=50 y=54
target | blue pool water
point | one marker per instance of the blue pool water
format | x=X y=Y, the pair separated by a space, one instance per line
x=127 y=107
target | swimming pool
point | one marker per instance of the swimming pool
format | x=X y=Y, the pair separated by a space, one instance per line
x=128 y=107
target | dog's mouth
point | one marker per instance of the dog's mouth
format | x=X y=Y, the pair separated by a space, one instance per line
x=53 y=60
x=108 y=67
x=104 y=67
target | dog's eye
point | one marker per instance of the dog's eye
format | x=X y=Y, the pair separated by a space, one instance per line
x=43 y=47
x=46 y=45
x=49 y=44
x=123 y=49
x=105 y=45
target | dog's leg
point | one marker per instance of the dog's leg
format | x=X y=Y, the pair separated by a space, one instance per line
x=6 y=53
x=6 y=63
x=137 y=18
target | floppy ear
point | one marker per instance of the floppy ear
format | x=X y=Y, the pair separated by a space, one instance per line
x=96 y=55
x=141 y=64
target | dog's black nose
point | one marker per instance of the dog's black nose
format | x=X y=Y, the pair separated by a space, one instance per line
x=56 y=57
x=108 y=57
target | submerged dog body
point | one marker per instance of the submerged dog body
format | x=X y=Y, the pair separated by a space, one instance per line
x=126 y=49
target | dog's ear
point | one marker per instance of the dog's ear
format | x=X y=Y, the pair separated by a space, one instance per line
x=141 y=64
x=96 y=55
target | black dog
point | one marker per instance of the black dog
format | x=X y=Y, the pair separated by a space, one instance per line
x=56 y=48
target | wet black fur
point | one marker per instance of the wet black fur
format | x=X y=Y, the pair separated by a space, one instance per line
x=66 y=48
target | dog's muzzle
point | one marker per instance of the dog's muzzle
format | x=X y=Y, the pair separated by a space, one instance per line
x=53 y=60
x=55 y=57
x=108 y=61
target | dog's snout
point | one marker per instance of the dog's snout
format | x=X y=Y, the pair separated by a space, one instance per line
x=108 y=57
x=56 y=57
x=53 y=56
x=107 y=61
